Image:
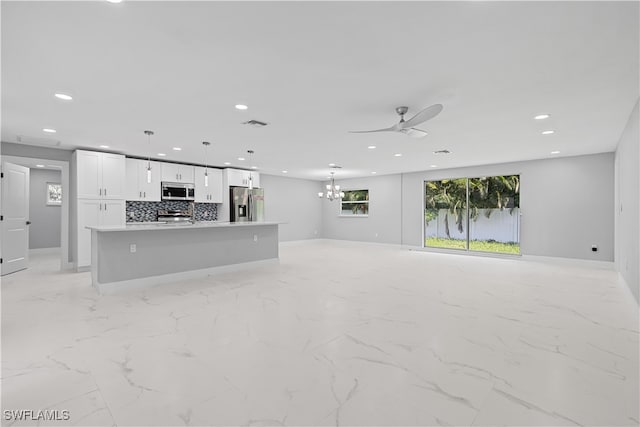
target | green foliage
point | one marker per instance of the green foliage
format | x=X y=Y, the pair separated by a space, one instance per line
x=356 y=196
x=488 y=193
x=353 y=201
x=474 y=245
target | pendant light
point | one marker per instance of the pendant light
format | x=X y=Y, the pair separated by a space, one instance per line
x=250 y=173
x=206 y=171
x=149 y=133
x=333 y=190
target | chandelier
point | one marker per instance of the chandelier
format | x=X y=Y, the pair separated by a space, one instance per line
x=333 y=190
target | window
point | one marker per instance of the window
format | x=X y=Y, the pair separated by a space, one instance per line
x=355 y=203
x=475 y=214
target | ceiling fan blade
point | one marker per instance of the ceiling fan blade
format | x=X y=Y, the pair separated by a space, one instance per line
x=391 y=129
x=414 y=133
x=424 y=115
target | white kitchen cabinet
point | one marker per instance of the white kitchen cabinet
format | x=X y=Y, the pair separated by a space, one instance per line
x=138 y=188
x=175 y=172
x=95 y=212
x=255 y=176
x=211 y=193
x=240 y=178
x=100 y=175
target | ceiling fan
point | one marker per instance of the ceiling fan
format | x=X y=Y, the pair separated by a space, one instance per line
x=407 y=127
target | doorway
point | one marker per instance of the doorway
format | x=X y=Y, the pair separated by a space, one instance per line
x=62 y=209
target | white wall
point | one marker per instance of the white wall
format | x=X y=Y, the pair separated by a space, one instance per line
x=295 y=202
x=627 y=205
x=383 y=223
x=582 y=187
x=44 y=231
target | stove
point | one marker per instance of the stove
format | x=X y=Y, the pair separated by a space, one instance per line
x=174 y=215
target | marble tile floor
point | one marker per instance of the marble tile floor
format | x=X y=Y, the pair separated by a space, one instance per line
x=339 y=333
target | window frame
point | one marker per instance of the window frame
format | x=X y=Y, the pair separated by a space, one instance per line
x=342 y=201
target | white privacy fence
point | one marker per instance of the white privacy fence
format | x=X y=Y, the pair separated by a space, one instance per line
x=501 y=226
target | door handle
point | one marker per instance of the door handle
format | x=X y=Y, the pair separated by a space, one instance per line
x=28 y=222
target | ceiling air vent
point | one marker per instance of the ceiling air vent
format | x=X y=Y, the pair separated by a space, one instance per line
x=255 y=123
x=442 y=152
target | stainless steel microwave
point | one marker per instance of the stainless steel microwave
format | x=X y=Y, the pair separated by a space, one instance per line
x=178 y=191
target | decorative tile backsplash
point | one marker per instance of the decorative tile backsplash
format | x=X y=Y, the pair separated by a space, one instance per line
x=148 y=211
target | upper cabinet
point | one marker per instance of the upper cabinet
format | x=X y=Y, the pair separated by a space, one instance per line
x=138 y=185
x=100 y=175
x=242 y=178
x=175 y=172
x=208 y=190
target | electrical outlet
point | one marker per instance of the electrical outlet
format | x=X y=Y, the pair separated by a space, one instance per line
x=594 y=248
x=255 y=237
x=132 y=248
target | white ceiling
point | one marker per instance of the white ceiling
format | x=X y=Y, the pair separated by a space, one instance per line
x=315 y=70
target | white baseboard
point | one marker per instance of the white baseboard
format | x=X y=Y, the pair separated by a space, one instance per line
x=147 y=282
x=44 y=251
x=577 y=262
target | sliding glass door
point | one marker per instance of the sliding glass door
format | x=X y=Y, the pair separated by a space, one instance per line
x=476 y=214
x=445 y=215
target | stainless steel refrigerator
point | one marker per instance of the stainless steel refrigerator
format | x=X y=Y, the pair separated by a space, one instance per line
x=246 y=204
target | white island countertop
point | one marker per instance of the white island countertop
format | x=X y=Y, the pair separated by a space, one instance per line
x=156 y=226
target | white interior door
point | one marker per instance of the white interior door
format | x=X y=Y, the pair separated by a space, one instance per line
x=15 y=218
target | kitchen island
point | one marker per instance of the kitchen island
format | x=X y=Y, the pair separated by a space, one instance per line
x=140 y=255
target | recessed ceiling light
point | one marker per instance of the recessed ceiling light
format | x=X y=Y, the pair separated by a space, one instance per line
x=434 y=166
x=63 y=96
x=373 y=173
x=104 y=146
x=241 y=158
x=114 y=1
x=542 y=116
x=49 y=130
x=371 y=147
x=332 y=164
x=241 y=107
x=285 y=171
x=254 y=167
x=398 y=154
x=555 y=152
x=161 y=154
x=39 y=166
x=227 y=163
x=548 y=132
x=177 y=149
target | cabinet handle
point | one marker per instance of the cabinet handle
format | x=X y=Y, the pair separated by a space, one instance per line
x=105 y=207
x=141 y=194
x=100 y=206
x=105 y=193
x=101 y=191
x=145 y=194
